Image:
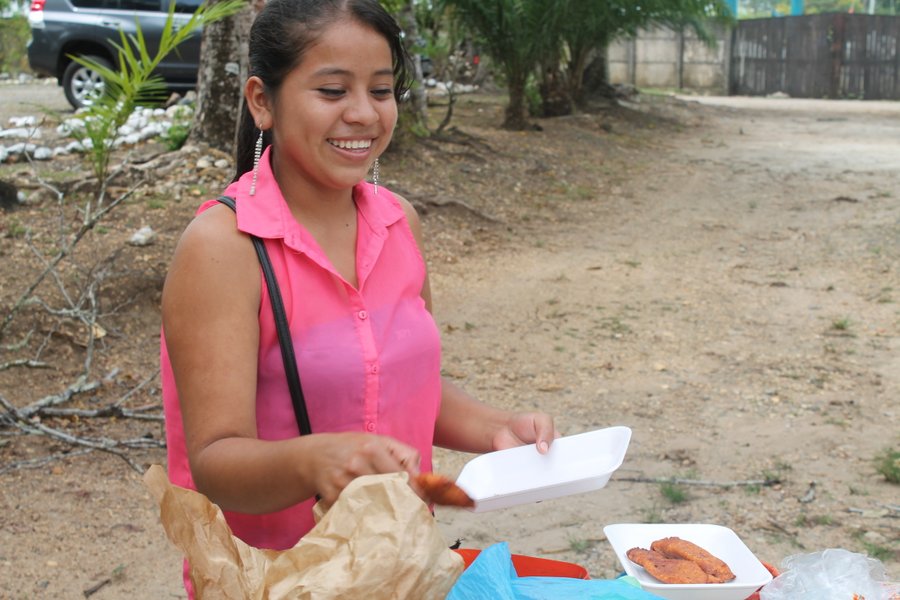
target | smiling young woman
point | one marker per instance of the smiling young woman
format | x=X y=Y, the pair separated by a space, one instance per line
x=321 y=105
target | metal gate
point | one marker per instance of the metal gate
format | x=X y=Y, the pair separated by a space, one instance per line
x=817 y=56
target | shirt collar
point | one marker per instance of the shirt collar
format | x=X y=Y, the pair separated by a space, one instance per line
x=266 y=213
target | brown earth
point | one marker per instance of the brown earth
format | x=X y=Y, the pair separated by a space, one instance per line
x=723 y=278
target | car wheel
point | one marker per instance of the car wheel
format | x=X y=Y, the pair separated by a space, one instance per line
x=81 y=84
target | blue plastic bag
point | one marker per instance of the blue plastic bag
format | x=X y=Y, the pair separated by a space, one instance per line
x=492 y=575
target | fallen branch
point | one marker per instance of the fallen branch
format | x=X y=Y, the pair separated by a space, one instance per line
x=34 y=463
x=887 y=511
x=24 y=362
x=79 y=387
x=90 y=219
x=702 y=482
x=104 y=444
x=773 y=525
x=111 y=411
x=96 y=587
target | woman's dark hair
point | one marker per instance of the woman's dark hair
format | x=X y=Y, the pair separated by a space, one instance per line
x=281 y=34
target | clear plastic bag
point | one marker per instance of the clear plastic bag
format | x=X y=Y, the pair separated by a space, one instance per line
x=833 y=574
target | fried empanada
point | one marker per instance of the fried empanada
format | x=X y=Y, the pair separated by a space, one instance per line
x=673 y=547
x=441 y=490
x=668 y=570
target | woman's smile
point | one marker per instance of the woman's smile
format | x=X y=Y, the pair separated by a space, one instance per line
x=356 y=145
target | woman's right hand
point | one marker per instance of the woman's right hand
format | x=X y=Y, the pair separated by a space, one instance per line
x=342 y=457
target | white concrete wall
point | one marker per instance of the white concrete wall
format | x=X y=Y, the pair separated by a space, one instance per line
x=664 y=58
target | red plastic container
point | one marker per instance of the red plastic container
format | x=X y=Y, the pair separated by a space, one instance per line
x=772 y=570
x=531 y=566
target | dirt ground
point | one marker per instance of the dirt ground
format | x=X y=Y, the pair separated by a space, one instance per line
x=721 y=276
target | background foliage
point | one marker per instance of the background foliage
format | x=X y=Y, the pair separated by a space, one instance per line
x=749 y=9
x=14 y=36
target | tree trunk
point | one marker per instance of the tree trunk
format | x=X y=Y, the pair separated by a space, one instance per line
x=417 y=108
x=556 y=100
x=220 y=85
x=516 y=115
x=595 y=81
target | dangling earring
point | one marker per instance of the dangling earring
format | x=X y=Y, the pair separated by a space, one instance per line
x=375 y=175
x=257 y=152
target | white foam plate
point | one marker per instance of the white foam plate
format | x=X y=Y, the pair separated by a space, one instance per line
x=750 y=574
x=575 y=464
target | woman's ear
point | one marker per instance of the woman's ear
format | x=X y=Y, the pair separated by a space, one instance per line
x=258 y=102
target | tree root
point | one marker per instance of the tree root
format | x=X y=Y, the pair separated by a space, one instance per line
x=423 y=206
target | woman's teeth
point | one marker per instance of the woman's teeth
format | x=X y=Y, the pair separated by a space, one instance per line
x=351 y=144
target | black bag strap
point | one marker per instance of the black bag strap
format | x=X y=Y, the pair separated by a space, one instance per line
x=281 y=326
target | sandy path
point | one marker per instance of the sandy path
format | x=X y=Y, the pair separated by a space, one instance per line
x=736 y=305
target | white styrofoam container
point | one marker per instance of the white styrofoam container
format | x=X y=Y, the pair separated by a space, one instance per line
x=575 y=464
x=722 y=542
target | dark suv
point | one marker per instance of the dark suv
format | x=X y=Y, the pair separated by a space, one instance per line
x=61 y=28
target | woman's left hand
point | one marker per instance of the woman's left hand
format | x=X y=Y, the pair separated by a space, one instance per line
x=526 y=428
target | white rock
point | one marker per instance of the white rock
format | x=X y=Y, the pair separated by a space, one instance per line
x=132 y=138
x=43 y=153
x=204 y=163
x=27 y=121
x=158 y=112
x=20 y=132
x=126 y=129
x=21 y=197
x=75 y=146
x=4 y=154
x=142 y=237
x=222 y=164
x=60 y=150
x=152 y=129
x=70 y=125
x=22 y=147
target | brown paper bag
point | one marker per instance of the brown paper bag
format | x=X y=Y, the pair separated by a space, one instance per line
x=378 y=541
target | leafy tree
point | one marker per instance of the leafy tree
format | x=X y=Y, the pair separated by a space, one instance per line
x=766 y=8
x=561 y=35
x=509 y=31
x=751 y=9
x=583 y=27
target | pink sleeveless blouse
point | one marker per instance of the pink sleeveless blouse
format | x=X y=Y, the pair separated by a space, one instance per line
x=368 y=358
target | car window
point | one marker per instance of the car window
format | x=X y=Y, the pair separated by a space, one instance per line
x=187 y=6
x=151 y=5
x=96 y=3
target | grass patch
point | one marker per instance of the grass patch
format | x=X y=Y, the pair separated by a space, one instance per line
x=15 y=229
x=807 y=521
x=653 y=515
x=579 y=545
x=841 y=324
x=674 y=493
x=888 y=465
x=615 y=326
x=876 y=551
